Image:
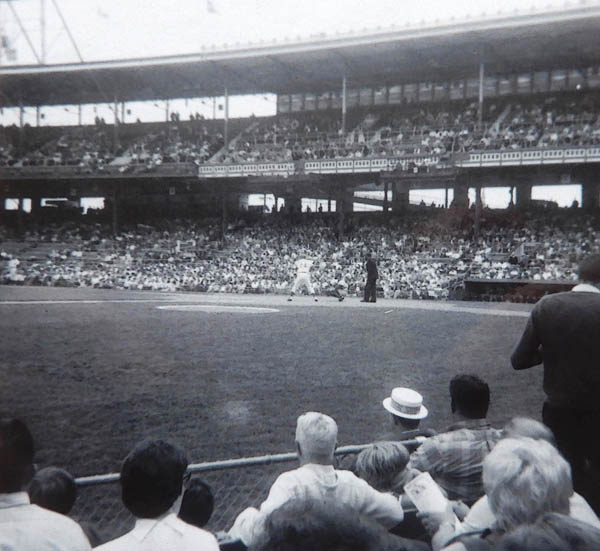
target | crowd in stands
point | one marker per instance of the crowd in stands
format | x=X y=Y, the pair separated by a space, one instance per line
x=420 y=255
x=468 y=487
x=407 y=129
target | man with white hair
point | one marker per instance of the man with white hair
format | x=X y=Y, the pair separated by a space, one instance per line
x=316 y=478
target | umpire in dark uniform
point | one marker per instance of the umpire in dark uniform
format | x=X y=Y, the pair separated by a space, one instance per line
x=372 y=275
x=563 y=333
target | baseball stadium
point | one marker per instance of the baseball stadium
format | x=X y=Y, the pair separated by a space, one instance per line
x=146 y=265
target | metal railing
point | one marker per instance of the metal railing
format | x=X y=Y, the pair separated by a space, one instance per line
x=235 y=483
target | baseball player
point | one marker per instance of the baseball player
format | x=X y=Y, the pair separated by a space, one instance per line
x=303 y=266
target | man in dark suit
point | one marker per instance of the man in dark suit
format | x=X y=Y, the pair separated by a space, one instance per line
x=372 y=275
x=563 y=332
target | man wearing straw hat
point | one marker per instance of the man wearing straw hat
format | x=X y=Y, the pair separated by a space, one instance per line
x=406 y=409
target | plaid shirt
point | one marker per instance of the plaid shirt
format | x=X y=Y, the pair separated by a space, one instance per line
x=454 y=458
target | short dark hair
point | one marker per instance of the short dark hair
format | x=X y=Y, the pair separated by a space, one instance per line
x=197 y=504
x=53 y=488
x=589 y=268
x=16 y=455
x=470 y=396
x=301 y=524
x=152 y=477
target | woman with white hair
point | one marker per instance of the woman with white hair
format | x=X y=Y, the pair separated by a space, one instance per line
x=523 y=479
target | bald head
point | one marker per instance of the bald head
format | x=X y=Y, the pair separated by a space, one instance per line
x=316 y=438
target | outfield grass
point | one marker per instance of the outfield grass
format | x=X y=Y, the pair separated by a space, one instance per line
x=93 y=378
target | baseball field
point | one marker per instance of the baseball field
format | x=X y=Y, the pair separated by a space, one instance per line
x=94 y=371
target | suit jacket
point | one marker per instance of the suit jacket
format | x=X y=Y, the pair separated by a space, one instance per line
x=371 y=269
x=563 y=332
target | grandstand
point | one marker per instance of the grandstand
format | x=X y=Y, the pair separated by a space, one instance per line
x=508 y=101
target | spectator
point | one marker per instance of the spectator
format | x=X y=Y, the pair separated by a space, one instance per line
x=306 y=524
x=197 y=503
x=152 y=479
x=523 y=480
x=319 y=481
x=383 y=466
x=552 y=532
x=563 y=332
x=406 y=411
x=480 y=516
x=55 y=489
x=24 y=526
x=454 y=458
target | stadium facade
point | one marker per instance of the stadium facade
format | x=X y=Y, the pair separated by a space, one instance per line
x=499 y=60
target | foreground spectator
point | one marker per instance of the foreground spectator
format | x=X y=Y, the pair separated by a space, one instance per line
x=54 y=488
x=306 y=524
x=406 y=412
x=455 y=458
x=24 y=526
x=383 y=466
x=317 y=480
x=152 y=485
x=563 y=332
x=523 y=479
x=197 y=503
x=480 y=517
x=552 y=532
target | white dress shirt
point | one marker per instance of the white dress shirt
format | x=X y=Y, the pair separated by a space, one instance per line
x=27 y=527
x=166 y=533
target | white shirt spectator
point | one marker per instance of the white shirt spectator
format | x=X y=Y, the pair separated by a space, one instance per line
x=166 y=533
x=27 y=527
x=321 y=483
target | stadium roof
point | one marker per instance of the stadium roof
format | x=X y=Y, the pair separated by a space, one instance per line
x=507 y=44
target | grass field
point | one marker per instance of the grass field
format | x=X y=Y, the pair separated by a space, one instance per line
x=92 y=371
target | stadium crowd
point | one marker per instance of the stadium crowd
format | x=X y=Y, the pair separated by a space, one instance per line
x=425 y=128
x=423 y=255
x=468 y=487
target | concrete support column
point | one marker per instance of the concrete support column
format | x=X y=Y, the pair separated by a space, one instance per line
x=590 y=196
x=114 y=199
x=293 y=203
x=36 y=204
x=461 y=196
x=400 y=197
x=386 y=205
x=523 y=194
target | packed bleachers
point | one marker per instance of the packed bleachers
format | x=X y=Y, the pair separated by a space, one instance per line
x=440 y=128
x=424 y=255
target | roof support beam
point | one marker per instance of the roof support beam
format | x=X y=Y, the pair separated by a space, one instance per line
x=25 y=33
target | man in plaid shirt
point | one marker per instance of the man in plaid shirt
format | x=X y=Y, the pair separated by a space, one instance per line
x=454 y=458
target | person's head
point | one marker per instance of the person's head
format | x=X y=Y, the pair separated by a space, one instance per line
x=381 y=464
x=152 y=477
x=589 y=269
x=16 y=456
x=552 y=532
x=316 y=438
x=469 y=396
x=197 y=503
x=405 y=405
x=53 y=488
x=525 y=478
x=302 y=524
x=525 y=427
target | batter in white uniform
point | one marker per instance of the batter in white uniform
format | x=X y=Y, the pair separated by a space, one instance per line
x=303 y=266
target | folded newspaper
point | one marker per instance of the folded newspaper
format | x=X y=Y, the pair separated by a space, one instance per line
x=427 y=496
